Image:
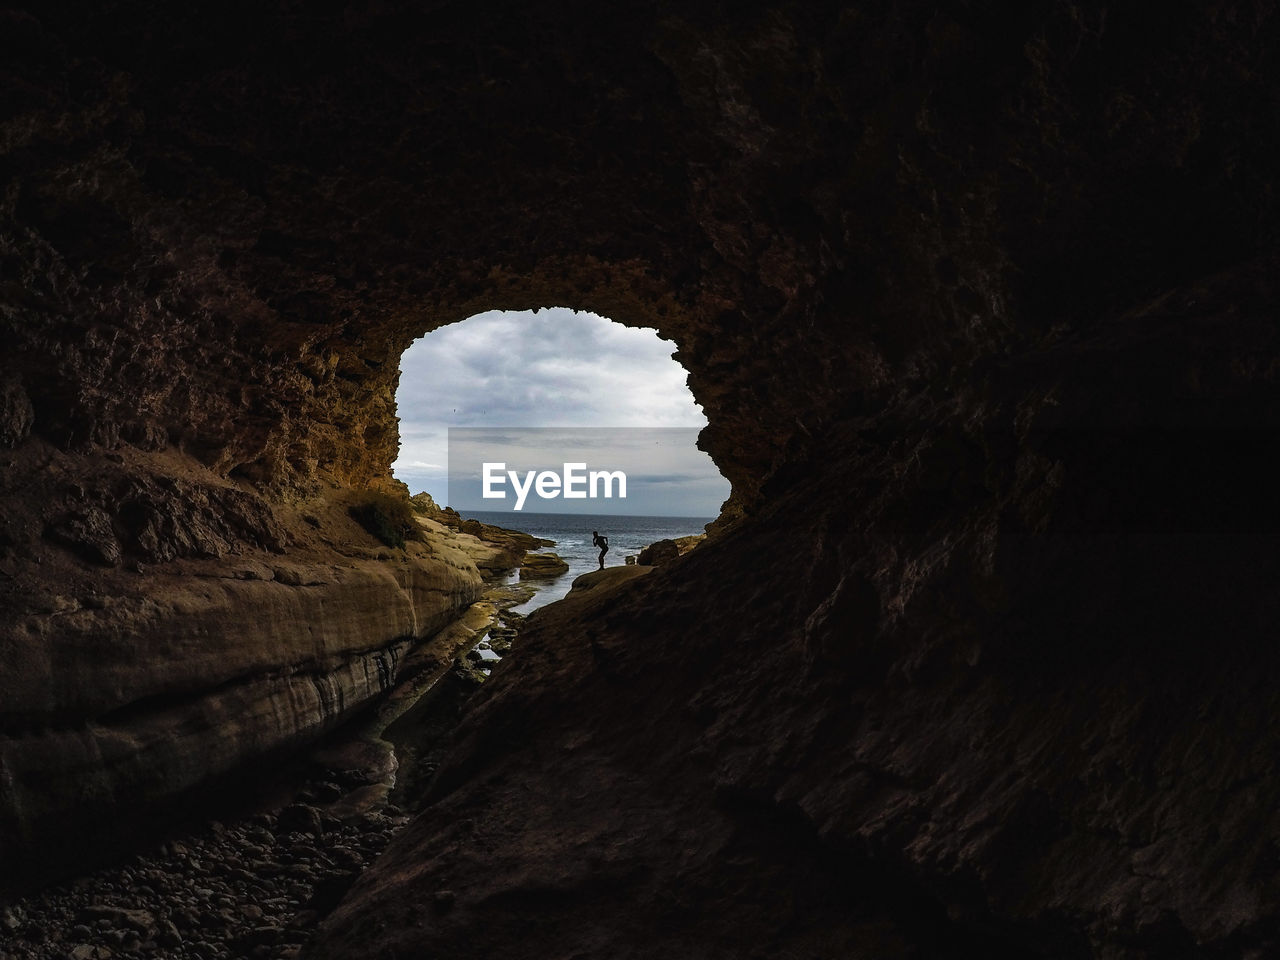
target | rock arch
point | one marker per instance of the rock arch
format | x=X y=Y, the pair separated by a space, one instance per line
x=980 y=309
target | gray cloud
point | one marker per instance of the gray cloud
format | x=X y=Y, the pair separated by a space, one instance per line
x=550 y=368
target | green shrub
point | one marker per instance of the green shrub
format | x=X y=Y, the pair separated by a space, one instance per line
x=387 y=517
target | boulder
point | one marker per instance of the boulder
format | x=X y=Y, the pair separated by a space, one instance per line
x=537 y=566
x=664 y=551
x=424 y=503
x=600 y=580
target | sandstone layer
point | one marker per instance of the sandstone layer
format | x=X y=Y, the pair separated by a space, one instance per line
x=164 y=626
x=980 y=305
x=542 y=566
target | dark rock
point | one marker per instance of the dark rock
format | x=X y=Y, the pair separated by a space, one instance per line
x=167 y=934
x=981 y=311
x=89 y=533
x=112 y=917
x=469 y=672
x=16 y=413
x=347 y=857
x=663 y=551
x=261 y=936
x=330 y=889
x=500 y=645
x=326 y=792
x=303 y=924
x=300 y=818
x=606 y=579
x=11 y=918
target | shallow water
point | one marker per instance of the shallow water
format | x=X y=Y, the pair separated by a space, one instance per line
x=572 y=534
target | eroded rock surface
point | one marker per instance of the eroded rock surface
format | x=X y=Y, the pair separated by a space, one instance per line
x=1001 y=678
x=542 y=566
x=663 y=551
x=164 y=626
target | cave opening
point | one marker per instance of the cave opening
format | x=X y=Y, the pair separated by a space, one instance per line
x=541 y=369
x=600 y=411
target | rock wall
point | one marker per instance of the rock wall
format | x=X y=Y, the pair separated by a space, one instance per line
x=1004 y=691
x=164 y=627
x=978 y=303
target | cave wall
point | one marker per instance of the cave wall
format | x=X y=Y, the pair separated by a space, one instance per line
x=978 y=303
x=1000 y=686
x=259 y=206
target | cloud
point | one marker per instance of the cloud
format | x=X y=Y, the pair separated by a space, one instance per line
x=555 y=367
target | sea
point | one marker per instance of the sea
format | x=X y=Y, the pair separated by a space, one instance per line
x=572 y=534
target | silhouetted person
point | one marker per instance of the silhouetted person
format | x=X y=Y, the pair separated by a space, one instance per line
x=602 y=543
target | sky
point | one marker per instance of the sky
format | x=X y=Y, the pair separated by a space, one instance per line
x=555 y=368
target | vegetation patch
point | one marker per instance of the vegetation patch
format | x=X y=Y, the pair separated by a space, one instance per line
x=387 y=517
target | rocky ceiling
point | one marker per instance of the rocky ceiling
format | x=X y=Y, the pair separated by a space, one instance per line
x=980 y=305
x=261 y=207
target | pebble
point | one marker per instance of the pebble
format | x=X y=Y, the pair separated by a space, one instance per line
x=253 y=889
x=258 y=888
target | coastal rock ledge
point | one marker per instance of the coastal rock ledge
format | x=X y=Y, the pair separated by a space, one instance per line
x=542 y=566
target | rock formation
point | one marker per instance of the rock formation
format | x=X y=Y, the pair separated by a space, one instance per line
x=980 y=305
x=662 y=551
x=605 y=579
x=492 y=548
x=164 y=627
x=540 y=566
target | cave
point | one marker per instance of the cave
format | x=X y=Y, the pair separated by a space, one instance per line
x=980 y=305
